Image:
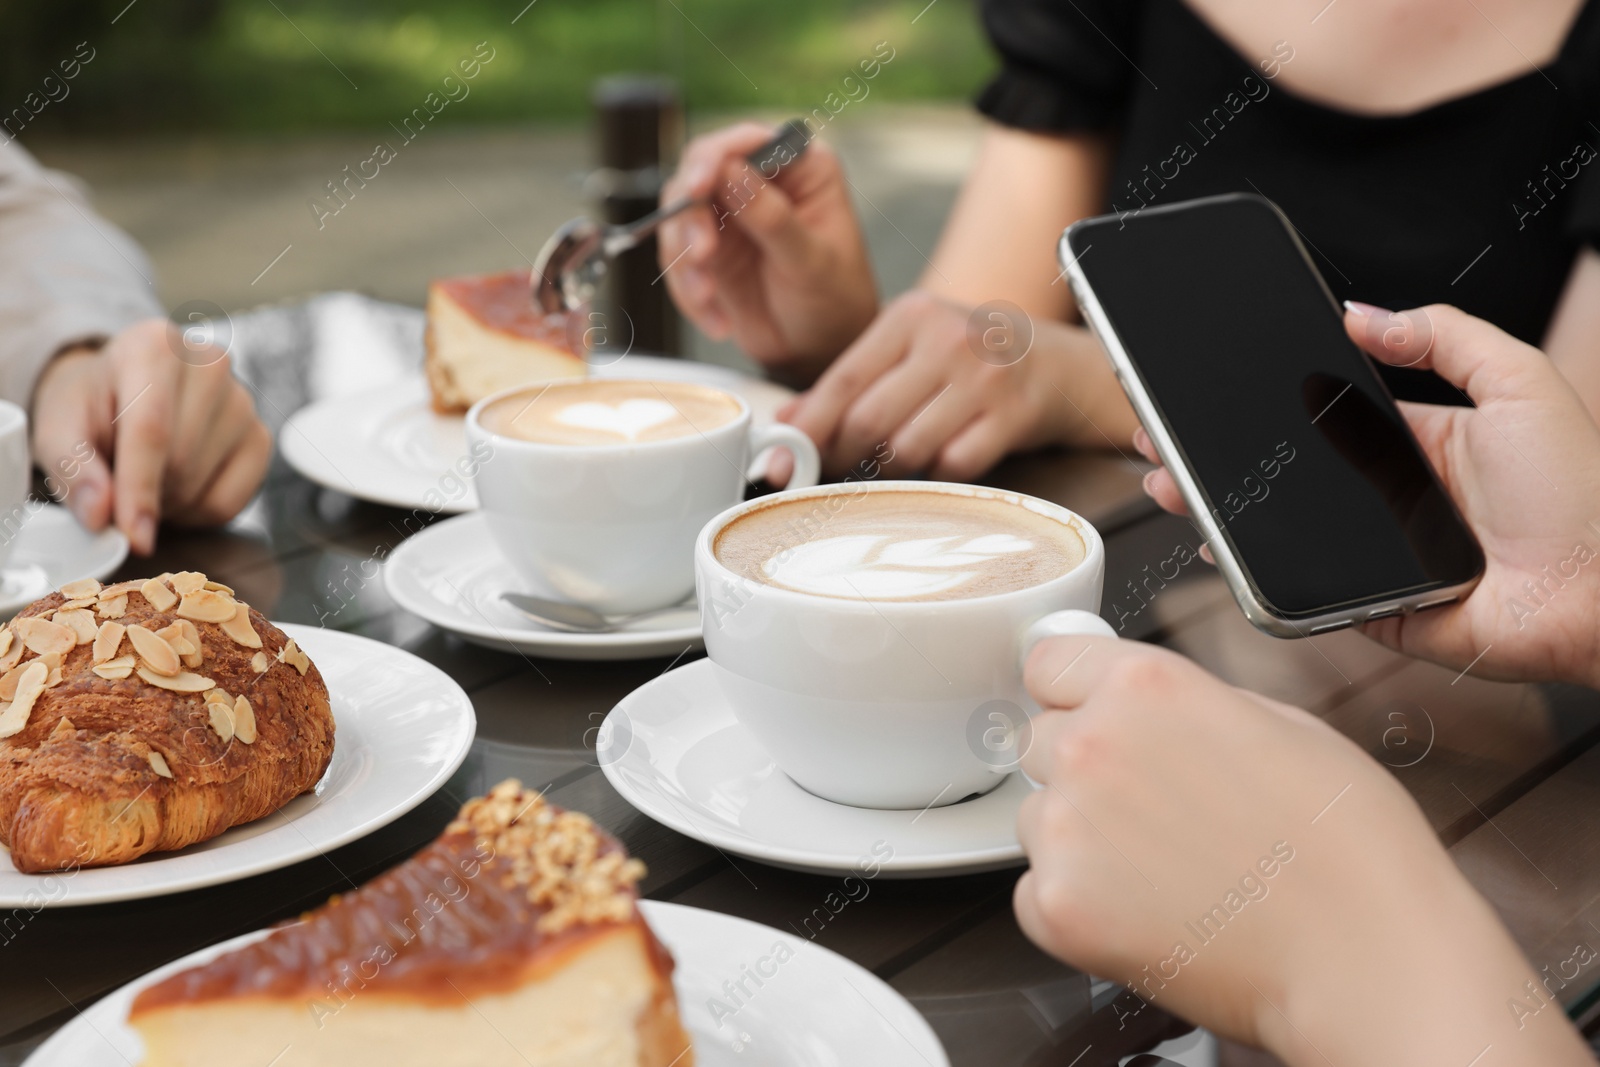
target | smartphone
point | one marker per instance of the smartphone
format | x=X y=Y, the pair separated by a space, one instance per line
x=1319 y=506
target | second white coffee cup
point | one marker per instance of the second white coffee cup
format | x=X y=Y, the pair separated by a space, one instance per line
x=883 y=701
x=608 y=518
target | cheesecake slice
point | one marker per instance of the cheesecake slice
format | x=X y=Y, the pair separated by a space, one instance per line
x=484 y=334
x=512 y=940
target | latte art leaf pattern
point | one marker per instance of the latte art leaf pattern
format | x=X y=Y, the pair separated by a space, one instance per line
x=876 y=567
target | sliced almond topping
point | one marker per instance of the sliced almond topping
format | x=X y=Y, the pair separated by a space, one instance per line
x=239 y=628
x=114 y=670
x=219 y=587
x=113 y=608
x=219 y=695
x=111 y=592
x=41 y=635
x=221 y=719
x=63 y=726
x=158 y=763
x=79 y=622
x=160 y=656
x=82 y=602
x=13 y=656
x=173 y=634
x=161 y=598
x=192 y=635
x=107 y=640
x=291 y=654
x=259 y=663
x=83 y=587
x=186 y=582
x=6 y=637
x=28 y=688
x=52 y=662
x=207 y=605
x=184 y=682
x=244 y=720
x=8 y=682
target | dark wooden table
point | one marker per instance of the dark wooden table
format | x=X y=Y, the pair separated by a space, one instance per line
x=1509 y=776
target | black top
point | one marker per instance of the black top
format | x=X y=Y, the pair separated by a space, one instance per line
x=1482 y=201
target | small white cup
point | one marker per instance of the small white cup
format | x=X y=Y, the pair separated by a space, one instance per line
x=612 y=526
x=16 y=467
x=888 y=704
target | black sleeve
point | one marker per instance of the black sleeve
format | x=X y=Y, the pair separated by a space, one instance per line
x=1580 y=63
x=1065 y=64
x=1583 y=221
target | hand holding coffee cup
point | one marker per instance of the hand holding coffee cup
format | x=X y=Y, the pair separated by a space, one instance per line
x=594 y=489
x=872 y=636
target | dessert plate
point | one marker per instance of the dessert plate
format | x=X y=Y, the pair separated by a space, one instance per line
x=51 y=550
x=815 y=1009
x=674 y=750
x=452 y=575
x=402 y=728
x=389 y=446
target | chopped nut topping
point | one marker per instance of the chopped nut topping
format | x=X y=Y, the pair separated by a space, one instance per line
x=83 y=587
x=158 y=763
x=206 y=605
x=26 y=691
x=238 y=627
x=114 y=670
x=244 y=720
x=555 y=854
x=41 y=635
x=112 y=608
x=161 y=657
x=161 y=598
x=186 y=582
x=221 y=719
x=78 y=621
x=260 y=662
x=183 y=682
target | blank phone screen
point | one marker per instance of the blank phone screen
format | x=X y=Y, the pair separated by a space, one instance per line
x=1301 y=455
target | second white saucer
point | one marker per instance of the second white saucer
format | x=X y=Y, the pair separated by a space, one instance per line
x=674 y=750
x=53 y=549
x=452 y=575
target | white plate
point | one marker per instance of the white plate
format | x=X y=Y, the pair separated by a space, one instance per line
x=452 y=575
x=402 y=728
x=390 y=447
x=53 y=549
x=674 y=750
x=816 y=1010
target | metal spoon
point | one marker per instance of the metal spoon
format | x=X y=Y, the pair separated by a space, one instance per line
x=577 y=619
x=571 y=265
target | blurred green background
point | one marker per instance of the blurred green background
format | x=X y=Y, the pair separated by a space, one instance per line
x=304 y=65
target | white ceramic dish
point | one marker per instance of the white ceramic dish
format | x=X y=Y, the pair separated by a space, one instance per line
x=402 y=728
x=675 y=751
x=816 y=1010
x=52 y=549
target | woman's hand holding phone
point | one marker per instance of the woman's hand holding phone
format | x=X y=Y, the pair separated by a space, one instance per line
x=1524 y=468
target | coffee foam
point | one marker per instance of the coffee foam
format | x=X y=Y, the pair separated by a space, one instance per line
x=609 y=412
x=899 y=545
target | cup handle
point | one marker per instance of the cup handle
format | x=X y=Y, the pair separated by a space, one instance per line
x=807 y=463
x=1064 y=624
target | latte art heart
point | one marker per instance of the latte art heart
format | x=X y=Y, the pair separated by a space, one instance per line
x=628 y=419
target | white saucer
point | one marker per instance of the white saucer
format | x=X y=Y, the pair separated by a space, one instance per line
x=816 y=1008
x=452 y=575
x=402 y=728
x=53 y=549
x=674 y=750
x=390 y=447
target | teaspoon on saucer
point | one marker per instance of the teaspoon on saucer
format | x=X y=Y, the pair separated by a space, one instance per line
x=575 y=618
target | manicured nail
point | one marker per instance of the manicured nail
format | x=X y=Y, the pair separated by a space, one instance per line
x=1150 y=483
x=1141 y=441
x=1364 y=310
x=144 y=535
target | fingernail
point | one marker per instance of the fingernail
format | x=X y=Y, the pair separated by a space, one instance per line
x=1358 y=308
x=85 y=504
x=1141 y=440
x=1149 y=482
x=144 y=535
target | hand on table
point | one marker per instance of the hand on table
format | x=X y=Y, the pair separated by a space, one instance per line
x=134 y=434
x=1339 y=930
x=928 y=384
x=1524 y=468
x=779 y=265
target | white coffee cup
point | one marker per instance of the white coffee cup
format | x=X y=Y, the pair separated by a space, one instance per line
x=888 y=704
x=16 y=467
x=612 y=526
